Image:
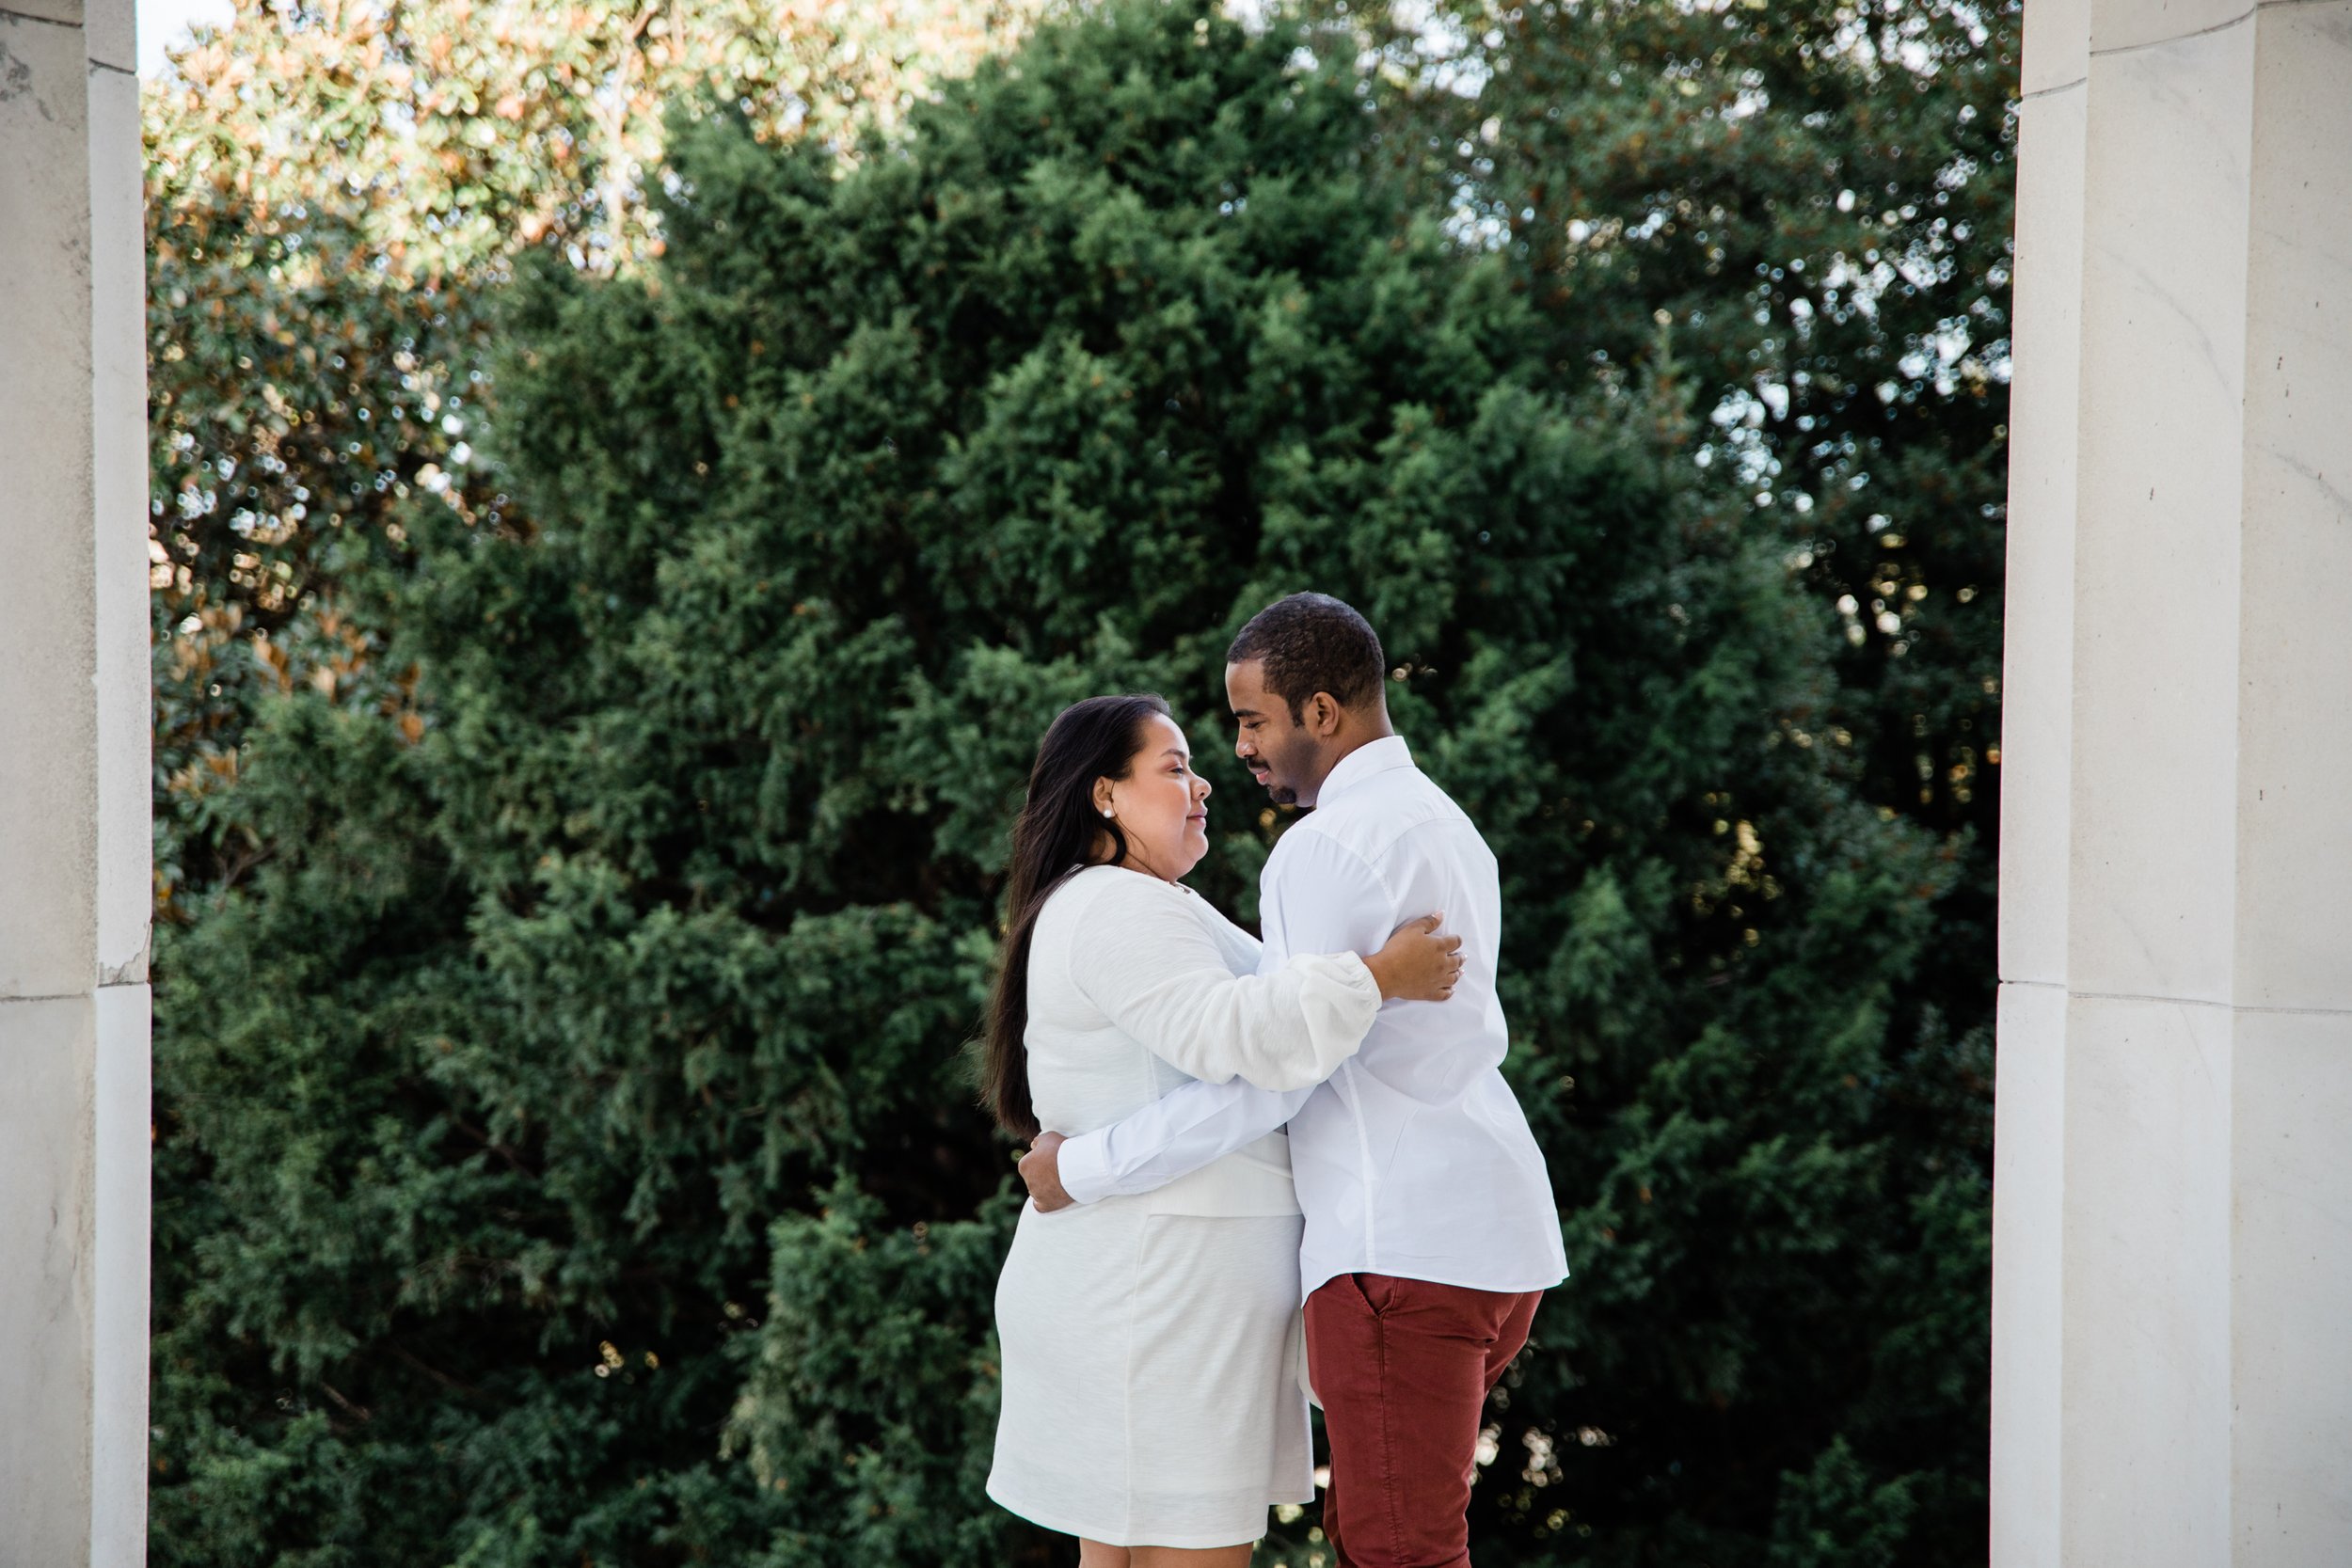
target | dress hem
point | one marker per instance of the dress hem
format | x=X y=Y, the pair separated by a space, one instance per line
x=1182 y=1540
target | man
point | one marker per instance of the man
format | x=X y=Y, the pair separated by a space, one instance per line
x=1431 y=1233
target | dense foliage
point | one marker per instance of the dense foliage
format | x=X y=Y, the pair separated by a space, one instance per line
x=334 y=193
x=1816 y=196
x=567 y=1152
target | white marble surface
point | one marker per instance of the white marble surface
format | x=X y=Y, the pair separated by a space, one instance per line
x=2145 y=1431
x=2291 y=1266
x=2193 y=1051
x=123 y=1121
x=2029 y=1235
x=2037 y=673
x=74 y=1120
x=2118 y=25
x=2294 y=727
x=110 y=33
x=2057 y=45
x=125 y=890
x=67 y=11
x=48 y=838
x=47 y=1047
x=2156 y=613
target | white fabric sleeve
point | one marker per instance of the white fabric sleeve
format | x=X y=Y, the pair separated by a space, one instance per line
x=1317 y=896
x=1176 y=1135
x=1154 y=968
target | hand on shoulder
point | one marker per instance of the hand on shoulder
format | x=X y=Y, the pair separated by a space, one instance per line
x=1421 y=961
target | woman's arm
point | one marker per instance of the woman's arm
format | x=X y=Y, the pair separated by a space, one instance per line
x=1154 y=970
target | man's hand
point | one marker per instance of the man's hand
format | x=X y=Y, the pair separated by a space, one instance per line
x=1041 y=1169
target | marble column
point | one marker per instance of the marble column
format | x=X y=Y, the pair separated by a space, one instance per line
x=76 y=885
x=2172 y=1198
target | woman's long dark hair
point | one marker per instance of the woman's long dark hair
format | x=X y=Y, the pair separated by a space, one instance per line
x=1059 y=827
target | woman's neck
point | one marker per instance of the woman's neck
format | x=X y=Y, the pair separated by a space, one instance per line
x=1129 y=862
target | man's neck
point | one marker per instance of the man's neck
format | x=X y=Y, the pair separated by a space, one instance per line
x=1348 y=743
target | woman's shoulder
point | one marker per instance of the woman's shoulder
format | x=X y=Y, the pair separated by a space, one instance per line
x=1115 y=893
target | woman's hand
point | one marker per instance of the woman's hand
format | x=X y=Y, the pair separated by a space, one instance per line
x=1419 y=964
x=1040 y=1172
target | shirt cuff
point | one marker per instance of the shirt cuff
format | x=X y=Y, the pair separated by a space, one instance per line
x=1083 y=1163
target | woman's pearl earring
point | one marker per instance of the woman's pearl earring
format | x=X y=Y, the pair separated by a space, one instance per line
x=1108 y=812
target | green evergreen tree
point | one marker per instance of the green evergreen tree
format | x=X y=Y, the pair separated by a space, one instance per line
x=1817 y=195
x=566 y=1149
x=333 y=193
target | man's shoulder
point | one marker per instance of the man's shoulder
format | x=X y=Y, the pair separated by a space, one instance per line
x=1319 y=836
x=1373 y=820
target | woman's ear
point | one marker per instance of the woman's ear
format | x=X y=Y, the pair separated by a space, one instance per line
x=1102 y=798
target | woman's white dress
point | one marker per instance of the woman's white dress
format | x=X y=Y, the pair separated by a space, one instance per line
x=1152 y=1361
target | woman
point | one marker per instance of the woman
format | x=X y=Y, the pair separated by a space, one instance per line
x=1152 y=1387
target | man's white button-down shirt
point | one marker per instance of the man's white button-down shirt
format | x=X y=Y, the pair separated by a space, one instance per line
x=1413 y=1158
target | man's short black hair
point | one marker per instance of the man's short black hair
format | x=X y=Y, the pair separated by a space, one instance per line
x=1313 y=643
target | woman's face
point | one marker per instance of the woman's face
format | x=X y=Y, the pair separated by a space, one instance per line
x=1162 y=804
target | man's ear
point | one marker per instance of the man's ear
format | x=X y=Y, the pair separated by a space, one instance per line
x=1322 y=716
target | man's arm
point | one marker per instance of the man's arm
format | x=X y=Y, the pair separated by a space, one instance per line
x=1316 y=898
x=1175 y=1135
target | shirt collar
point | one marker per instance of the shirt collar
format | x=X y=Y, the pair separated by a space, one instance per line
x=1366 y=761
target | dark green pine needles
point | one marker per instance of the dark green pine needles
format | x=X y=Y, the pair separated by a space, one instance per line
x=566 y=1149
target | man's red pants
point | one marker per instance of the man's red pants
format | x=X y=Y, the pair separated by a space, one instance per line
x=1404 y=1368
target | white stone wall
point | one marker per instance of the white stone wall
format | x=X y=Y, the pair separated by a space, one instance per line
x=2172 y=1210
x=75 y=884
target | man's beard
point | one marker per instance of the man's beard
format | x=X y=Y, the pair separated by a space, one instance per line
x=1289 y=756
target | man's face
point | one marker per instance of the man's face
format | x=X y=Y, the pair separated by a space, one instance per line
x=1279 y=751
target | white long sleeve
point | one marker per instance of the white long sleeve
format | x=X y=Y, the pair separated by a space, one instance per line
x=1191 y=1126
x=1195 y=1124
x=1156 y=972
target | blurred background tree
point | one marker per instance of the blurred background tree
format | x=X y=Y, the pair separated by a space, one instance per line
x=1817 y=197
x=334 y=193
x=580 y=892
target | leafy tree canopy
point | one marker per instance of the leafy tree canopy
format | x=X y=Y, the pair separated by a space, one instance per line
x=1817 y=197
x=333 y=193
x=567 y=1152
